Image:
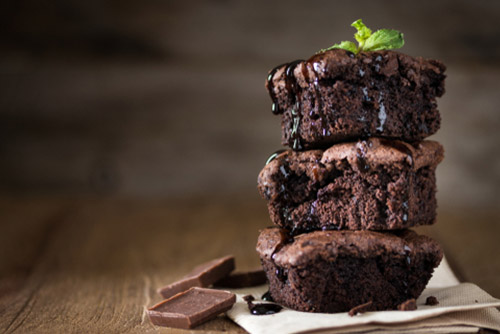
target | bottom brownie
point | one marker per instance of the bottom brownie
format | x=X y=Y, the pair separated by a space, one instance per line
x=335 y=271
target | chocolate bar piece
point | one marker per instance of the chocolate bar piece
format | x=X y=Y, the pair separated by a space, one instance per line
x=243 y=279
x=203 y=276
x=191 y=308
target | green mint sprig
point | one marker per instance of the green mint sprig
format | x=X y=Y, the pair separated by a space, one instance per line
x=383 y=39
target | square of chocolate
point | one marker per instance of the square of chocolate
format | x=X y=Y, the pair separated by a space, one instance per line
x=202 y=276
x=191 y=308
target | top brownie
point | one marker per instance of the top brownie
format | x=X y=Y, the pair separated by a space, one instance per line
x=337 y=96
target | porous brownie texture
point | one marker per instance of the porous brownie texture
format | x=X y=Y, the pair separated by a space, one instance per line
x=337 y=96
x=335 y=271
x=374 y=184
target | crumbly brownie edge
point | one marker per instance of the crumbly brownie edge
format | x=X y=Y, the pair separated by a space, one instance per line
x=335 y=97
x=385 y=189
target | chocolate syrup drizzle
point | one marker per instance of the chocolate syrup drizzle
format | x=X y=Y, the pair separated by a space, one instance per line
x=261 y=308
x=295 y=96
x=318 y=101
x=407 y=253
x=267 y=297
x=270 y=87
x=286 y=237
x=274 y=155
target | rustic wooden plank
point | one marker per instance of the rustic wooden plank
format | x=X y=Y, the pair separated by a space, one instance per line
x=470 y=239
x=27 y=226
x=104 y=263
x=104 y=259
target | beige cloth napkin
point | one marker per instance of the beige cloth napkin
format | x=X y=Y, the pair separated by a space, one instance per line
x=462 y=308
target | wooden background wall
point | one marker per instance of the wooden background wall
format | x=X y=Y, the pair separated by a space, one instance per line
x=166 y=98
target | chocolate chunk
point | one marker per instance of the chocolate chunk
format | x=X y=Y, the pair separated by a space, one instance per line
x=431 y=301
x=203 y=276
x=409 y=305
x=242 y=279
x=360 y=309
x=191 y=308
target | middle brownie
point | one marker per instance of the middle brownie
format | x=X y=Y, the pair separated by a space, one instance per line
x=374 y=184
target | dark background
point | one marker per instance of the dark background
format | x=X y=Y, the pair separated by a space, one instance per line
x=166 y=98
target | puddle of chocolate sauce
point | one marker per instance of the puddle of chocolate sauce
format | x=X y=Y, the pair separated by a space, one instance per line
x=261 y=308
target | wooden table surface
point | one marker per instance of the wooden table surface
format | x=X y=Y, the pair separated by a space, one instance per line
x=93 y=264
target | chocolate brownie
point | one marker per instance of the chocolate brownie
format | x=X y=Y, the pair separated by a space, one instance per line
x=337 y=96
x=335 y=271
x=374 y=184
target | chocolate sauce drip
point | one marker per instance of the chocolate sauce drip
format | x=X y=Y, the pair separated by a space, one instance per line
x=399 y=146
x=264 y=308
x=261 y=308
x=293 y=93
x=267 y=297
x=295 y=126
x=405 y=208
x=290 y=80
x=274 y=155
x=407 y=252
x=270 y=88
x=285 y=238
x=318 y=101
x=281 y=274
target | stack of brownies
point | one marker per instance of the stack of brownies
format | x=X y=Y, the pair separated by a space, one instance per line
x=358 y=175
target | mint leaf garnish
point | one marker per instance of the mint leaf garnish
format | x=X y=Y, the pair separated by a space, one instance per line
x=363 y=32
x=383 y=39
x=346 y=45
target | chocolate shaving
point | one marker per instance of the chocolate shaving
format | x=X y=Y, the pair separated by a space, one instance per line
x=409 y=305
x=360 y=309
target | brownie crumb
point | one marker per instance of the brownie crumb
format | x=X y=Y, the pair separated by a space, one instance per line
x=248 y=298
x=431 y=301
x=409 y=305
x=360 y=309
